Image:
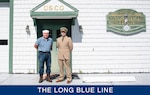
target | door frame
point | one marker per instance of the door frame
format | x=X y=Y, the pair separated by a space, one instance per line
x=55 y=23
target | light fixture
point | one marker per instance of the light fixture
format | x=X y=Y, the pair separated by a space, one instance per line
x=80 y=28
x=28 y=29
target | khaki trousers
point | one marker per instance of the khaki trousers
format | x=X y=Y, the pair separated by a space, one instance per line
x=66 y=63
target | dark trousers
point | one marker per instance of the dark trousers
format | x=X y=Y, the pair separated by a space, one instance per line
x=44 y=57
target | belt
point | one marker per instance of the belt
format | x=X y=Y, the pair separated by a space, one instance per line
x=44 y=52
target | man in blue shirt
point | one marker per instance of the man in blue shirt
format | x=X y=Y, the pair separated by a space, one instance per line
x=44 y=47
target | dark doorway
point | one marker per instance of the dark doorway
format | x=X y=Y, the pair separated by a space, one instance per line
x=53 y=25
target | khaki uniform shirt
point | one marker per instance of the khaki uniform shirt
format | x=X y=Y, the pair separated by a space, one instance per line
x=65 y=47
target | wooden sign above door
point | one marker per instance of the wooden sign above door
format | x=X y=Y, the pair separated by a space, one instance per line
x=54 y=9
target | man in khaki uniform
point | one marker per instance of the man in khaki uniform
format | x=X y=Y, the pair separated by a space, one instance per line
x=65 y=46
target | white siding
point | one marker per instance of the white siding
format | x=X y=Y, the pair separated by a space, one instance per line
x=4 y=35
x=95 y=50
x=24 y=54
x=101 y=51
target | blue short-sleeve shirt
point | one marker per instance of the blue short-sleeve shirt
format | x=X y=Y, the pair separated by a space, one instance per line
x=43 y=44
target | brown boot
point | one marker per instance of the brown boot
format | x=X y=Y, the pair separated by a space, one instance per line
x=41 y=79
x=48 y=78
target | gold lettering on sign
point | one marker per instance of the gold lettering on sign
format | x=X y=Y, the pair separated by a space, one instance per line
x=53 y=8
x=126 y=22
x=119 y=20
x=61 y=8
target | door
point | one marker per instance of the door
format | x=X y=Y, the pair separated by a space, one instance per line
x=4 y=37
x=54 y=27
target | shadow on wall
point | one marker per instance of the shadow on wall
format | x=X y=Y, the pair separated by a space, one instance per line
x=77 y=32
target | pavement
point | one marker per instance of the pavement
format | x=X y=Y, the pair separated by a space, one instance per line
x=32 y=79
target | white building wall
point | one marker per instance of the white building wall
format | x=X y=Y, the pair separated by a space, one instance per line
x=24 y=54
x=98 y=50
x=4 y=35
x=101 y=51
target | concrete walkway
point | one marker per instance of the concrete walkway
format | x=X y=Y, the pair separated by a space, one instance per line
x=32 y=79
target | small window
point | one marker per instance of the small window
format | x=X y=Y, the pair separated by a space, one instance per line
x=3 y=42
